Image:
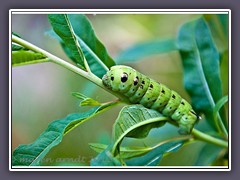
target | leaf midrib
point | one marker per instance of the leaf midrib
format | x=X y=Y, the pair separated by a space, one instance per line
x=49 y=145
x=203 y=77
x=152 y=120
x=100 y=62
x=74 y=36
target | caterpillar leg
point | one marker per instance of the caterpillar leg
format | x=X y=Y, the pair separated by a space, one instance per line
x=187 y=122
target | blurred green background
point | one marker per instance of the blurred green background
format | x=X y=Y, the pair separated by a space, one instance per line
x=41 y=93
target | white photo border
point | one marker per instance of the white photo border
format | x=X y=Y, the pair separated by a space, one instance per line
x=116 y=11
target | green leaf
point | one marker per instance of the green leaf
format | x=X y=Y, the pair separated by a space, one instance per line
x=208 y=154
x=125 y=152
x=223 y=18
x=135 y=121
x=16 y=47
x=133 y=152
x=85 y=101
x=105 y=158
x=32 y=154
x=154 y=157
x=200 y=60
x=97 y=147
x=186 y=156
x=94 y=51
x=63 y=28
x=218 y=24
x=218 y=122
x=14 y=33
x=225 y=72
x=23 y=57
x=145 y=49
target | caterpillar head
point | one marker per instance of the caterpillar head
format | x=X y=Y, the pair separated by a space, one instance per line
x=119 y=78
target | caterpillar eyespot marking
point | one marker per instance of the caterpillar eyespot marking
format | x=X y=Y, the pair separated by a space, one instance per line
x=151 y=94
x=124 y=77
x=135 y=82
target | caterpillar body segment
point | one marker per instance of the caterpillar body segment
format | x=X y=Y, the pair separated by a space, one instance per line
x=141 y=89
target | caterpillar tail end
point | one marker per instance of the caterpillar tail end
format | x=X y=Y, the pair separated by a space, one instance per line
x=185 y=127
x=184 y=130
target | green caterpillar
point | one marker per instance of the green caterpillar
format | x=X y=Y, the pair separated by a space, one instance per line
x=141 y=89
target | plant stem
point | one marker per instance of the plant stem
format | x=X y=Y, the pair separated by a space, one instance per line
x=88 y=75
x=205 y=137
